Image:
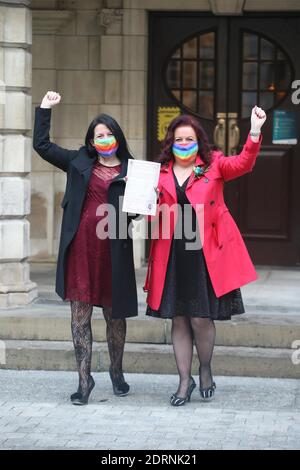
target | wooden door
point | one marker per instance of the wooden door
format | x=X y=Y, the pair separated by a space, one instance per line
x=217 y=68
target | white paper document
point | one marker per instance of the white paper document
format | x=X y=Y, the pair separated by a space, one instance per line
x=140 y=195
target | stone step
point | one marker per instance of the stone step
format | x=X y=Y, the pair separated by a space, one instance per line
x=145 y=358
x=48 y=323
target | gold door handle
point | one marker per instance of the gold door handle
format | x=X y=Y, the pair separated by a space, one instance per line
x=220 y=132
x=234 y=134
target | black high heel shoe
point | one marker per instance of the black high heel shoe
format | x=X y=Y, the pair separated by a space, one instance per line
x=120 y=387
x=78 y=398
x=207 y=393
x=179 y=401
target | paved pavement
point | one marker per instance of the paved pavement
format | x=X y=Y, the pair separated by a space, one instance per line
x=246 y=413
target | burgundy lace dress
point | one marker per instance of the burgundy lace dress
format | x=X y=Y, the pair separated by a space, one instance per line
x=88 y=267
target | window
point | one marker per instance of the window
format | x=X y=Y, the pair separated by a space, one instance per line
x=266 y=73
x=190 y=75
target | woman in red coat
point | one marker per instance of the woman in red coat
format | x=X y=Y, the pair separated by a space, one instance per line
x=198 y=260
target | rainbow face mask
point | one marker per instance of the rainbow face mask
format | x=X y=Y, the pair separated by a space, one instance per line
x=106 y=147
x=185 y=151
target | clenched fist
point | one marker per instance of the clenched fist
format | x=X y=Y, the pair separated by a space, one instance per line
x=50 y=99
x=258 y=117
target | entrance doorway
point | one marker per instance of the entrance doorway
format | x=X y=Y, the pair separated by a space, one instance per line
x=218 y=68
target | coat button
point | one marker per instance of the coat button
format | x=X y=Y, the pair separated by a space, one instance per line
x=213 y=224
x=212 y=203
x=220 y=247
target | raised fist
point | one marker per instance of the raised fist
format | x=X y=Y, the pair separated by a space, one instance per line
x=50 y=99
x=258 y=117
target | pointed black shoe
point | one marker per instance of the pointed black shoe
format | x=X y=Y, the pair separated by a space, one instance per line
x=207 y=393
x=179 y=401
x=78 y=398
x=78 y=394
x=120 y=387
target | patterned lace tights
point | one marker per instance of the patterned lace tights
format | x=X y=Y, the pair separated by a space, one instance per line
x=83 y=340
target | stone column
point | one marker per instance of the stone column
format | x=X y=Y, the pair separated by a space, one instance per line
x=15 y=153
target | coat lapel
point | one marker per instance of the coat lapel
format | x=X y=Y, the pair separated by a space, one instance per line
x=167 y=180
x=84 y=163
x=122 y=173
x=192 y=179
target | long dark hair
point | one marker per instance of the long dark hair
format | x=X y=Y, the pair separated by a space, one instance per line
x=123 y=152
x=166 y=153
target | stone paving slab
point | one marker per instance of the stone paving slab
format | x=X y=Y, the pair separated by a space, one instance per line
x=246 y=413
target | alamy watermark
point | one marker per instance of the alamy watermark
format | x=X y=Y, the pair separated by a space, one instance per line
x=296 y=93
x=2 y=93
x=169 y=221
x=2 y=353
x=296 y=354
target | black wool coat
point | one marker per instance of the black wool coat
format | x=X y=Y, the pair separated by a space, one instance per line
x=78 y=165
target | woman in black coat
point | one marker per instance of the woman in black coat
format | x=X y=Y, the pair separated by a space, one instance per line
x=95 y=260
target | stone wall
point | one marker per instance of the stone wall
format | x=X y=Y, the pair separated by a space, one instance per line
x=93 y=53
x=15 y=153
x=66 y=58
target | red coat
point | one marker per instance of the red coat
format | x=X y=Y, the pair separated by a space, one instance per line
x=228 y=262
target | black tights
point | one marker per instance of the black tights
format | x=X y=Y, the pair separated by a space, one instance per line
x=184 y=330
x=83 y=340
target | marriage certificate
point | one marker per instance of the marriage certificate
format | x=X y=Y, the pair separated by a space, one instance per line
x=140 y=195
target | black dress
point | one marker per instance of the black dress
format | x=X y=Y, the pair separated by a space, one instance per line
x=188 y=290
